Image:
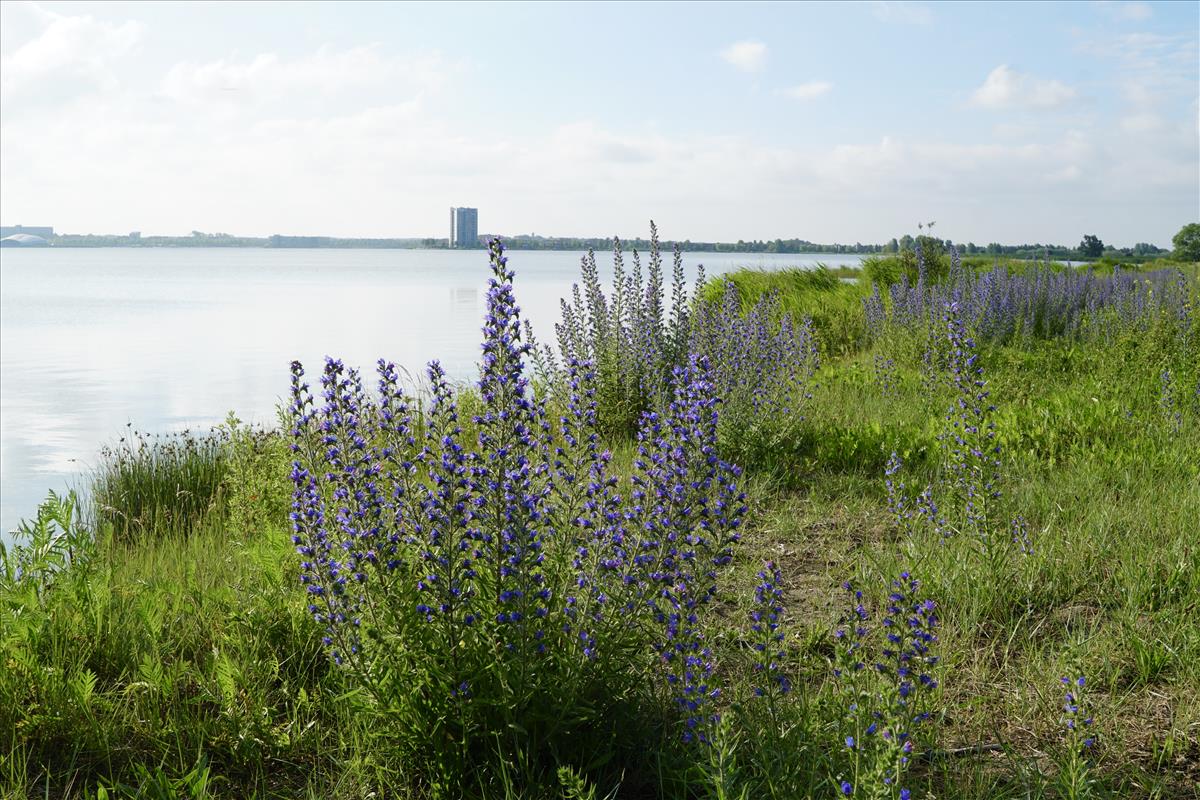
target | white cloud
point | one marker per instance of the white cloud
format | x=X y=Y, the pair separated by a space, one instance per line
x=67 y=55
x=359 y=76
x=1005 y=88
x=1156 y=82
x=1141 y=123
x=902 y=12
x=391 y=170
x=376 y=141
x=747 y=55
x=1154 y=69
x=809 y=90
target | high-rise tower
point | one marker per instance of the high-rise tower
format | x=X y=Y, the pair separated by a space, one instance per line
x=464 y=227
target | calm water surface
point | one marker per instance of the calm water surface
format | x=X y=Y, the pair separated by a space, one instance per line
x=166 y=339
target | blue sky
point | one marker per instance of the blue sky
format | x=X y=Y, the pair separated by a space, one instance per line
x=830 y=122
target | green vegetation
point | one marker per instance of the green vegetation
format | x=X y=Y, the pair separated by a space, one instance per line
x=825 y=295
x=1187 y=243
x=159 y=483
x=161 y=647
x=1091 y=246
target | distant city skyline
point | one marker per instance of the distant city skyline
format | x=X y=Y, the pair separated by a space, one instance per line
x=828 y=122
x=45 y=231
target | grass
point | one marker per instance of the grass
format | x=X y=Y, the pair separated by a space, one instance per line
x=178 y=659
x=153 y=483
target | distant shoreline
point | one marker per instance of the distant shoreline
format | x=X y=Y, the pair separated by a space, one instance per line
x=526 y=243
x=513 y=243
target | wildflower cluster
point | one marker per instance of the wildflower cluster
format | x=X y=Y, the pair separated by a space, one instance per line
x=1020 y=535
x=970 y=486
x=885 y=674
x=629 y=337
x=687 y=509
x=885 y=375
x=589 y=508
x=1167 y=401
x=431 y=558
x=973 y=459
x=761 y=361
x=510 y=470
x=1040 y=303
x=1075 y=719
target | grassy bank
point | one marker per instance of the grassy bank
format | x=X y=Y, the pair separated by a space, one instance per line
x=177 y=657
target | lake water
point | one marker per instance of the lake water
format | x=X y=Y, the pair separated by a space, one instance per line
x=166 y=339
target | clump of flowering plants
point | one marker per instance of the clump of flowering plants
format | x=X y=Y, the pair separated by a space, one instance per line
x=885 y=670
x=771 y=680
x=965 y=500
x=764 y=361
x=760 y=361
x=484 y=574
x=630 y=336
x=686 y=508
x=1041 y=303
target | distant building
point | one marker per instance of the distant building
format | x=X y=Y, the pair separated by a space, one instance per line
x=464 y=227
x=45 y=233
x=135 y=235
x=23 y=240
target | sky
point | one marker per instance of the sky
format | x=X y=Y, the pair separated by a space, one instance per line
x=1013 y=122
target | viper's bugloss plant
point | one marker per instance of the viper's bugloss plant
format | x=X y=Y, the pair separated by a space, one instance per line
x=632 y=340
x=885 y=670
x=1079 y=738
x=885 y=375
x=1041 y=303
x=687 y=509
x=1020 y=535
x=1167 y=401
x=771 y=679
x=761 y=362
x=965 y=497
x=483 y=574
x=510 y=472
x=973 y=462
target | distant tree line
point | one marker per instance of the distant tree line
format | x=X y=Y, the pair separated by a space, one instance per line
x=1187 y=244
x=1089 y=248
x=534 y=242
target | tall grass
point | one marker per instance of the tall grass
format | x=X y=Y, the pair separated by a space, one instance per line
x=162 y=483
